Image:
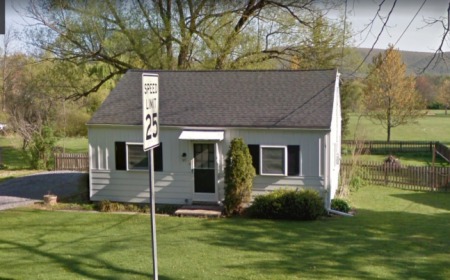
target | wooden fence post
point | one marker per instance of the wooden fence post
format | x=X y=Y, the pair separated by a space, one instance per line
x=386 y=175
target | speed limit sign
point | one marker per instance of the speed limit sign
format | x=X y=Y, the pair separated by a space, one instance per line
x=150 y=110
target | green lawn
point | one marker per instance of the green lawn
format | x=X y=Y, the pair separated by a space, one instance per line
x=12 y=155
x=412 y=159
x=74 y=144
x=433 y=127
x=396 y=234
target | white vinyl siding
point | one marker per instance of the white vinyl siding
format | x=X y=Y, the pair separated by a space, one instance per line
x=133 y=187
x=175 y=185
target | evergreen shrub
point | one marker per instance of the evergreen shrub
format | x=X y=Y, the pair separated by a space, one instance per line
x=288 y=205
x=340 y=205
x=239 y=174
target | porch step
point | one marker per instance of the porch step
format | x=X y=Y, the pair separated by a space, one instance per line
x=206 y=211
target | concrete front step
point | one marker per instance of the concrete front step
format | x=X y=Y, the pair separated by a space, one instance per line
x=205 y=211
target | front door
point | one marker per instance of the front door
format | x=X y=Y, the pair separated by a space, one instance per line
x=204 y=172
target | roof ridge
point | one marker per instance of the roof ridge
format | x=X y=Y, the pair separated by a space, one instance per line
x=232 y=70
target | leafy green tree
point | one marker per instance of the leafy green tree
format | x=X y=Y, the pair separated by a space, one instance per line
x=351 y=92
x=322 y=45
x=239 y=174
x=390 y=97
x=40 y=148
x=31 y=104
x=444 y=94
x=172 y=34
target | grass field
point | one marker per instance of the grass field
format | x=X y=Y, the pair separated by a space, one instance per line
x=74 y=144
x=13 y=157
x=412 y=159
x=433 y=127
x=396 y=234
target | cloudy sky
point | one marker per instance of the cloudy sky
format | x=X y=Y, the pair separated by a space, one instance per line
x=419 y=36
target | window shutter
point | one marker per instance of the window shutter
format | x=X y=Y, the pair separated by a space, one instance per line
x=254 y=152
x=293 y=160
x=158 y=157
x=121 y=155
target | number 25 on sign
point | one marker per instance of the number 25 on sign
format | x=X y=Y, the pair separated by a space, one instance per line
x=150 y=110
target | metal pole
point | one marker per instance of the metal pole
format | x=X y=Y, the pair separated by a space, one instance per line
x=152 y=213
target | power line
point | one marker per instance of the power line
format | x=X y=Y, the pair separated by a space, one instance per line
x=343 y=35
x=404 y=31
x=409 y=24
x=379 y=34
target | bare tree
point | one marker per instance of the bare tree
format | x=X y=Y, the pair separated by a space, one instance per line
x=9 y=66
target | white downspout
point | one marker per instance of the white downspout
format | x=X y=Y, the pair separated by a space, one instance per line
x=339 y=213
x=326 y=160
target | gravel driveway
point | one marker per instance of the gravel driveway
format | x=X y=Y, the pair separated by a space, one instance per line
x=29 y=189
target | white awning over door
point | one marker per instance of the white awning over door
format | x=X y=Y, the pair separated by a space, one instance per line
x=201 y=135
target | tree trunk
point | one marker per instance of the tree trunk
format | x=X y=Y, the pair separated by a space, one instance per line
x=389 y=133
x=389 y=119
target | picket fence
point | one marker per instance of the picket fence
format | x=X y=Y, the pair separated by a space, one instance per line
x=425 y=178
x=71 y=161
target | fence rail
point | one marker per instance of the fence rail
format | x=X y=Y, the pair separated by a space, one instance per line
x=443 y=151
x=425 y=178
x=393 y=146
x=74 y=162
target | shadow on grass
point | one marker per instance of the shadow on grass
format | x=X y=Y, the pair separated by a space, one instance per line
x=432 y=199
x=81 y=265
x=372 y=245
x=93 y=262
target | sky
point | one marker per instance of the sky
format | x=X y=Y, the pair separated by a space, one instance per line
x=419 y=36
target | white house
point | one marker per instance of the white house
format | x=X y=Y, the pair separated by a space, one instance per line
x=291 y=121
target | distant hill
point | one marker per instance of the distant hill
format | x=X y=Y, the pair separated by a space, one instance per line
x=417 y=61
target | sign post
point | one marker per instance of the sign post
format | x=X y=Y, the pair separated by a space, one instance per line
x=150 y=133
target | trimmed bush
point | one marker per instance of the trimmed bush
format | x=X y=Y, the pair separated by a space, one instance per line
x=288 y=205
x=340 y=205
x=239 y=174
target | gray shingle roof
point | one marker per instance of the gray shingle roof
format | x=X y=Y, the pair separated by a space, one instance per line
x=261 y=98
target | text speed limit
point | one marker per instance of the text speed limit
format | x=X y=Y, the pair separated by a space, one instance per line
x=150 y=110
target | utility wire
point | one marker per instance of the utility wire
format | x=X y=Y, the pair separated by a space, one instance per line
x=400 y=37
x=343 y=35
x=409 y=24
x=378 y=36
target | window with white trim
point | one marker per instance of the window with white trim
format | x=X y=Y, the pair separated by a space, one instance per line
x=276 y=160
x=137 y=159
x=131 y=156
x=273 y=160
